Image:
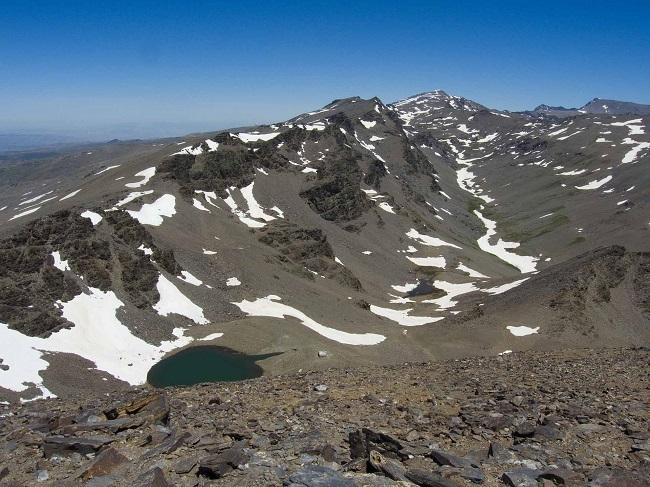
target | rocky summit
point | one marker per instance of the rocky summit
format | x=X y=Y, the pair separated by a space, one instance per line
x=531 y=419
x=426 y=292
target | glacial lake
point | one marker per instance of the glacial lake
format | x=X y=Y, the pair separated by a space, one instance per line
x=205 y=364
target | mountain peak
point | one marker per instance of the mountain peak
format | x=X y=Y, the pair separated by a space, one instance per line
x=615 y=107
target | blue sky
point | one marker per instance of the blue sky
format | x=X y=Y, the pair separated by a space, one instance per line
x=146 y=68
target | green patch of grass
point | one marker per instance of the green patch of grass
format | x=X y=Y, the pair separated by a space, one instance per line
x=474 y=204
x=577 y=240
x=549 y=224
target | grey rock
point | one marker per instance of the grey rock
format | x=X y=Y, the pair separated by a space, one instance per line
x=216 y=466
x=317 y=476
x=42 y=475
x=185 y=465
x=525 y=430
x=445 y=458
x=61 y=445
x=501 y=454
x=549 y=433
x=424 y=478
x=521 y=477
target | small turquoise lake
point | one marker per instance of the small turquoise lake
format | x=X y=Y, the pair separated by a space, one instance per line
x=199 y=364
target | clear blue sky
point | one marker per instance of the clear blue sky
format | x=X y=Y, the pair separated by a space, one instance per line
x=165 y=66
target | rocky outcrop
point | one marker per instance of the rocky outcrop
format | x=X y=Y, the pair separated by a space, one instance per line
x=306 y=249
x=336 y=196
x=107 y=257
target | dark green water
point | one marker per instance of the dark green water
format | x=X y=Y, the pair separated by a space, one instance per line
x=205 y=364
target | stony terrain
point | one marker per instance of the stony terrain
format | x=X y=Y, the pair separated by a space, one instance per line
x=430 y=228
x=523 y=419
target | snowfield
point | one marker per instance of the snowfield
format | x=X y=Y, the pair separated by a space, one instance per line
x=269 y=306
x=153 y=213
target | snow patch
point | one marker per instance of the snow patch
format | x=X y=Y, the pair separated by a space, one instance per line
x=402 y=317
x=94 y=218
x=520 y=331
x=59 y=263
x=254 y=137
x=595 y=184
x=270 y=307
x=70 y=195
x=153 y=213
x=145 y=174
x=190 y=279
x=524 y=263
x=172 y=301
x=470 y=272
x=428 y=240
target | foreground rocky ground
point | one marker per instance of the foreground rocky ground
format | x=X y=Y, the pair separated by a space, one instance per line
x=530 y=419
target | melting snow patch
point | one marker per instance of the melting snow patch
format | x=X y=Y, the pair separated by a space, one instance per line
x=254 y=208
x=428 y=261
x=269 y=306
x=145 y=174
x=254 y=137
x=19 y=353
x=427 y=240
x=146 y=250
x=59 y=263
x=94 y=218
x=190 y=151
x=471 y=272
x=190 y=279
x=488 y=138
x=34 y=199
x=633 y=153
x=212 y=145
x=70 y=195
x=197 y=204
x=595 y=184
x=575 y=172
x=319 y=126
x=24 y=213
x=402 y=317
x=368 y=125
x=504 y=287
x=233 y=281
x=524 y=263
x=208 y=252
x=174 y=301
x=520 y=331
x=386 y=207
x=211 y=336
x=130 y=197
x=452 y=290
x=153 y=213
x=106 y=169
x=97 y=335
x=405 y=288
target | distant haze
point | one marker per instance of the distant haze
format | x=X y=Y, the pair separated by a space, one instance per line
x=96 y=71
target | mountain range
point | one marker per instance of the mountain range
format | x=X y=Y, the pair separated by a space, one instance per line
x=359 y=233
